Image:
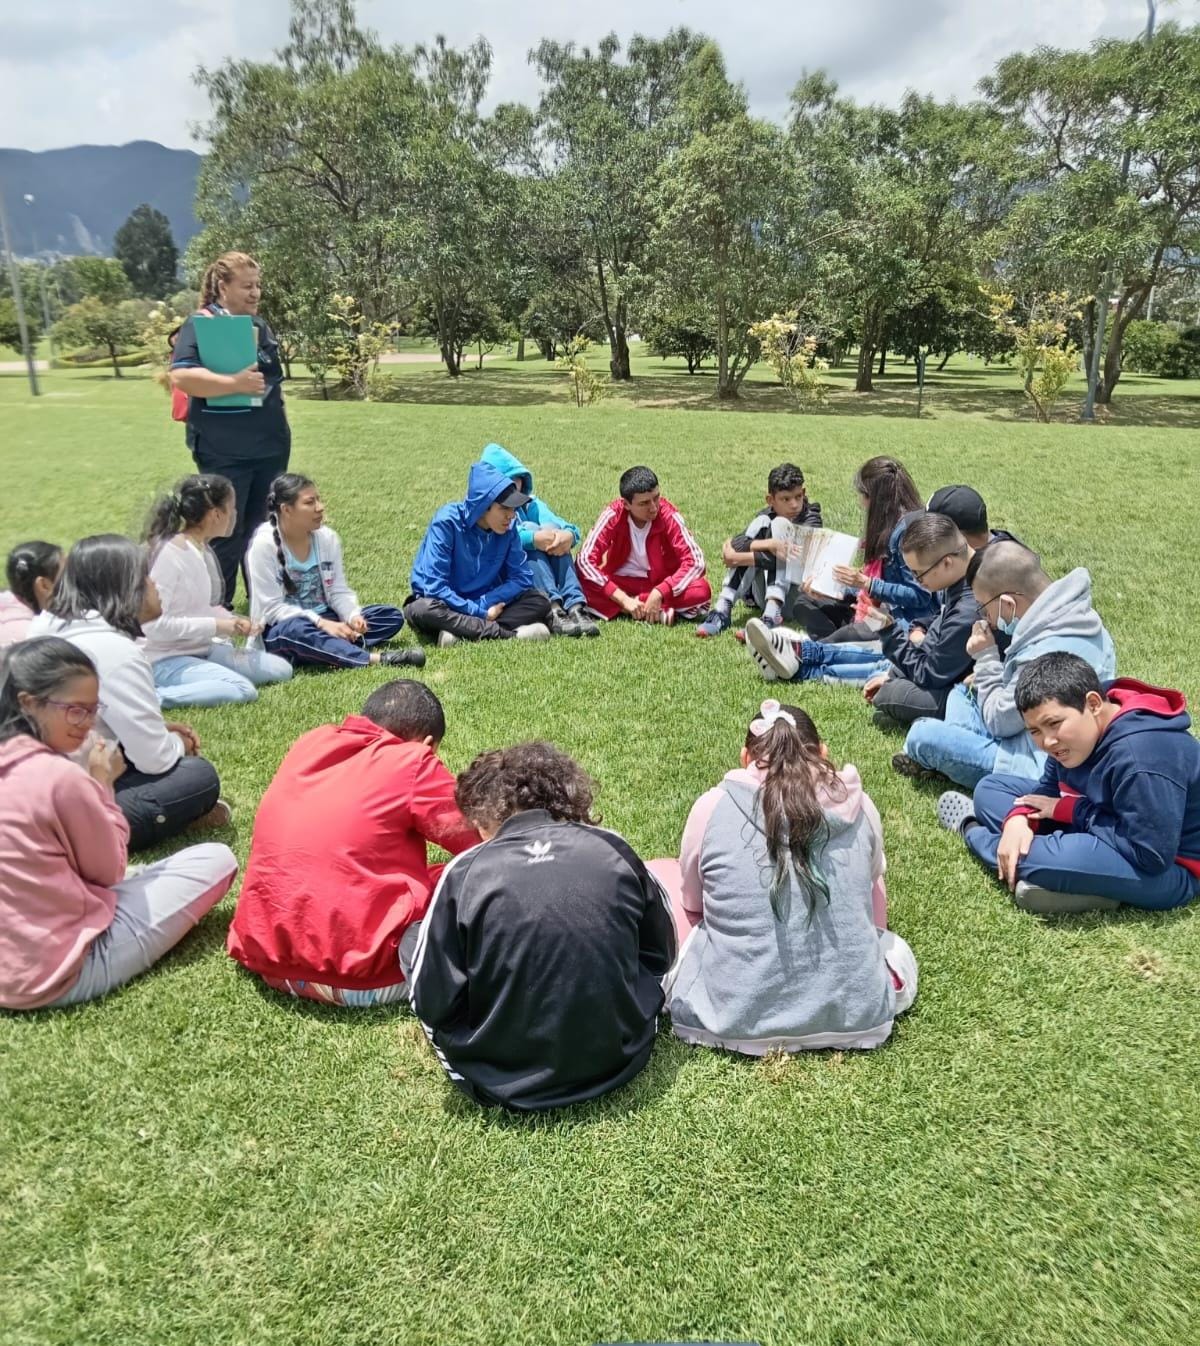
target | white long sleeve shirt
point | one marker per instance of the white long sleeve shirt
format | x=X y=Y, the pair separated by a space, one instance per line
x=184 y=578
x=268 y=601
x=131 y=716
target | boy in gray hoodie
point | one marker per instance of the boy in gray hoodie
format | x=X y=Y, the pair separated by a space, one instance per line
x=983 y=731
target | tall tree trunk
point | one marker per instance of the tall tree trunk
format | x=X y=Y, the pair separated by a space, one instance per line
x=1129 y=307
x=520 y=348
x=112 y=353
x=866 y=367
x=450 y=358
x=945 y=361
x=619 y=364
x=726 y=390
x=882 y=361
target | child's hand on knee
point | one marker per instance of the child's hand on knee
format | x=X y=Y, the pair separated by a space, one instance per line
x=1015 y=841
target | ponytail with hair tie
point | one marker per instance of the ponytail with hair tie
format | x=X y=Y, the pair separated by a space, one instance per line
x=784 y=744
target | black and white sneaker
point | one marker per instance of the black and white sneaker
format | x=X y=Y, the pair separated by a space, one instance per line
x=772 y=651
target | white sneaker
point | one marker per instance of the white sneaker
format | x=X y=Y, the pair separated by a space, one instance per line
x=446 y=638
x=533 y=631
x=772 y=651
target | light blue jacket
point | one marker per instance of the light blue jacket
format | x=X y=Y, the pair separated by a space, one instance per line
x=537 y=514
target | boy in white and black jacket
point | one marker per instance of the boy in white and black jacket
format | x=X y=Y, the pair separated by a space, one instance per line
x=753 y=555
x=537 y=971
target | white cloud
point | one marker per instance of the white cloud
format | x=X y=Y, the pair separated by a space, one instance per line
x=109 y=71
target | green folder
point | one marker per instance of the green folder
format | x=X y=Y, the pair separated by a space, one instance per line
x=228 y=343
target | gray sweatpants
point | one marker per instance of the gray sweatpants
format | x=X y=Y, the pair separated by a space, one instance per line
x=156 y=907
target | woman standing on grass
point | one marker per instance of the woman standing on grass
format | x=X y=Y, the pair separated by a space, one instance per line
x=101 y=600
x=72 y=925
x=189 y=647
x=249 y=445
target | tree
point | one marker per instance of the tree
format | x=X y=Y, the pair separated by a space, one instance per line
x=680 y=330
x=93 y=322
x=147 y=252
x=352 y=168
x=905 y=198
x=101 y=278
x=606 y=126
x=1112 y=202
x=10 y=330
x=721 y=237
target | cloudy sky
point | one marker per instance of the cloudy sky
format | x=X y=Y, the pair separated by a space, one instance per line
x=110 y=71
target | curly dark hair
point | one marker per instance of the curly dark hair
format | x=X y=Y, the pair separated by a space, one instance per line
x=526 y=776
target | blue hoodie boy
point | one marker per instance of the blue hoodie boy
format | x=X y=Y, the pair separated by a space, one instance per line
x=537 y=514
x=1139 y=789
x=467 y=567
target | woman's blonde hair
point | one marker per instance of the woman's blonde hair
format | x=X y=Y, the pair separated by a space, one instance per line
x=220 y=273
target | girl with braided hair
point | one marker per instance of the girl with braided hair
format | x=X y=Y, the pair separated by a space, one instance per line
x=190 y=646
x=249 y=445
x=299 y=596
x=780 y=884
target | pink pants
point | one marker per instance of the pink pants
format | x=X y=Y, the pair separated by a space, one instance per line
x=668 y=874
x=694 y=599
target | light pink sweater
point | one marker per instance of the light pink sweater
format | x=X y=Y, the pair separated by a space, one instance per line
x=62 y=848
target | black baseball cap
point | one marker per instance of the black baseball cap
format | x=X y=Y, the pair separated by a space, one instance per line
x=963 y=504
x=513 y=498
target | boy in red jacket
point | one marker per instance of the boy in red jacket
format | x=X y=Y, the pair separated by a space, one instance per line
x=338 y=870
x=640 y=559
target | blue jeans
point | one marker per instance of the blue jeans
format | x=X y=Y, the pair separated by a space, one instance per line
x=555 y=576
x=1066 y=861
x=838 y=663
x=300 y=641
x=227 y=674
x=959 y=746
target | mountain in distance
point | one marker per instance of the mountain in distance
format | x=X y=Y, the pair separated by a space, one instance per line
x=82 y=195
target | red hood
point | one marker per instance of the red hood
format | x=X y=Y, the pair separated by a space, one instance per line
x=1130 y=694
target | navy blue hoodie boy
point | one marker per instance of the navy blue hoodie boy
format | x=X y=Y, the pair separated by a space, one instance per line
x=1139 y=790
x=467 y=567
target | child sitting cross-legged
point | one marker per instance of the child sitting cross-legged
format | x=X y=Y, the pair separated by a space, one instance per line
x=754 y=555
x=189 y=647
x=538 y=970
x=548 y=541
x=338 y=871
x=299 y=595
x=780 y=879
x=641 y=559
x=1116 y=815
x=471 y=579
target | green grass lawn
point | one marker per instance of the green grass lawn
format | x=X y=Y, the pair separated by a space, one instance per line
x=198 y=1160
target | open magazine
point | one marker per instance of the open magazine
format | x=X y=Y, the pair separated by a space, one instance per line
x=812 y=554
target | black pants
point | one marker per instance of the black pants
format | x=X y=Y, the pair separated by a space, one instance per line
x=821 y=617
x=252 y=478
x=158 y=807
x=431 y=616
x=904 y=702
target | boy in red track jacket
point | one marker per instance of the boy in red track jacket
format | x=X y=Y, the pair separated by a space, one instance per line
x=338 y=870
x=640 y=559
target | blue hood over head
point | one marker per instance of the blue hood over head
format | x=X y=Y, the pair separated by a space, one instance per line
x=485 y=484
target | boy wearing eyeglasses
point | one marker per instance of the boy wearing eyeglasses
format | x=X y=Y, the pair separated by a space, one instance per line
x=1025 y=614
x=919 y=664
